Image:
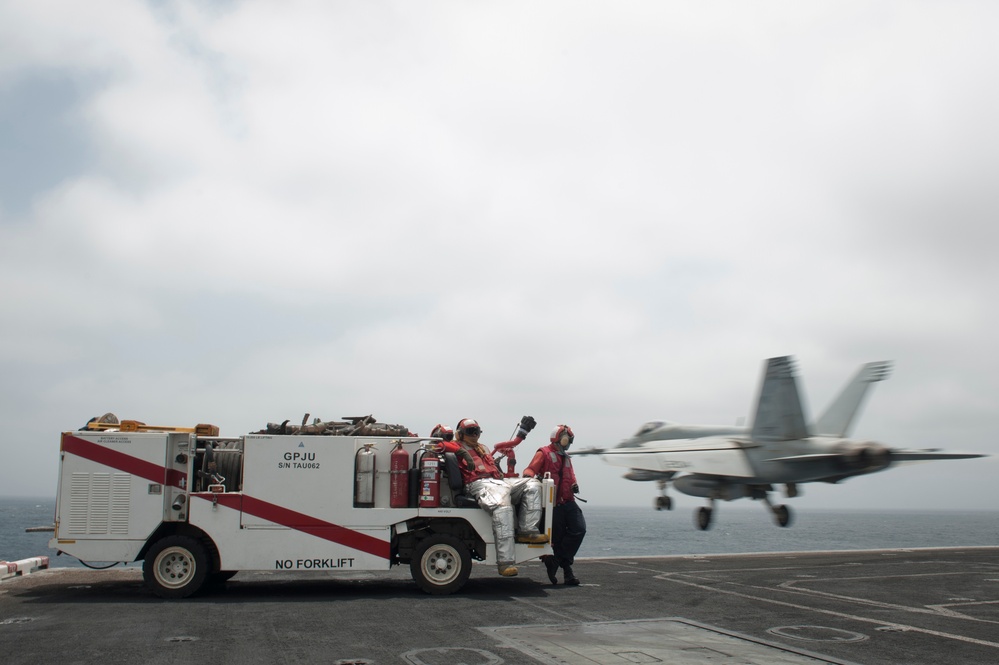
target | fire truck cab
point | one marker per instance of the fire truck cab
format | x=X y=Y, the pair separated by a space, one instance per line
x=196 y=508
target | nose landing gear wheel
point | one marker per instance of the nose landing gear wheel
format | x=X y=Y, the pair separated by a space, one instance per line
x=664 y=503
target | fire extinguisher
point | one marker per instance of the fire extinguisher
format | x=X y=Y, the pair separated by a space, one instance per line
x=399 y=477
x=430 y=479
x=414 y=479
x=364 y=477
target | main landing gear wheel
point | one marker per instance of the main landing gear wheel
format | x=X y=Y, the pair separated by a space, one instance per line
x=703 y=518
x=175 y=567
x=664 y=503
x=441 y=564
x=783 y=515
x=781 y=512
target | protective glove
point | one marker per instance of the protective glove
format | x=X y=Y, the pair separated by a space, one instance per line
x=526 y=424
x=575 y=488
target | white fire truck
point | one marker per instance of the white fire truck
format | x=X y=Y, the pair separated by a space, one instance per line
x=196 y=508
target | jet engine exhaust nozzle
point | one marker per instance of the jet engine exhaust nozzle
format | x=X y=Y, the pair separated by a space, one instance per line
x=867 y=457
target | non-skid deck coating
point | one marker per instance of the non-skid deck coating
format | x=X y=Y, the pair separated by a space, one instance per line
x=890 y=606
x=647 y=641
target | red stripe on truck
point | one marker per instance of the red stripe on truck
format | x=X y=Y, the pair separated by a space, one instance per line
x=301 y=522
x=118 y=460
x=247 y=504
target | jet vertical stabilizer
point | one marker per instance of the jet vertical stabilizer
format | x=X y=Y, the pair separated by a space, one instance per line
x=779 y=416
x=839 y=417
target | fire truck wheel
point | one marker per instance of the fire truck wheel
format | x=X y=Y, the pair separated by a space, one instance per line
x=441 y=564
x=175 y=567
x=218 y=579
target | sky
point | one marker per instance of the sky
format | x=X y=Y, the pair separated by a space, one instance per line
x=594 y=213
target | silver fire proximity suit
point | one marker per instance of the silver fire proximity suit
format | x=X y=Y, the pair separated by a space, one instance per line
x=497 y=494
x=498 y=497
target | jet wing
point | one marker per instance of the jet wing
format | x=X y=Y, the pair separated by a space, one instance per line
x=895 y=455
x=899 y=455
x=811 y=457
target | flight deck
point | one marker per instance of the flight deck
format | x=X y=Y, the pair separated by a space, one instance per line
x=880 y=606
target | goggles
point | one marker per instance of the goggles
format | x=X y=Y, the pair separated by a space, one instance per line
x=472 y=431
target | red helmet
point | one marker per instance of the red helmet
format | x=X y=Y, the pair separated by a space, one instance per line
x=562 y=431
x=441 y=432
x=466 y=426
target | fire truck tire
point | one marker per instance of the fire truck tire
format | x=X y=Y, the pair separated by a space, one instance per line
x=175 y=567
x=218 y=579
x=441 y=564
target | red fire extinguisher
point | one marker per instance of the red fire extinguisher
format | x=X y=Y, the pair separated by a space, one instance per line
x=399 y=477
x=430 y=479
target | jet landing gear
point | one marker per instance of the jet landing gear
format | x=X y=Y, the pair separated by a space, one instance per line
x=663 y=502
x=703 y=515
x=781 y=512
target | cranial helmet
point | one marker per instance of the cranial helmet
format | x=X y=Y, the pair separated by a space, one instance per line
x=441 y=432
x=467 y=426
x=562 y=432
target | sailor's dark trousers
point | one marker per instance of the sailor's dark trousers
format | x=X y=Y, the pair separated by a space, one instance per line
x=568 y=530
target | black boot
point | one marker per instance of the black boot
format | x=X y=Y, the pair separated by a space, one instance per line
x=551 y=565
x=570 y=578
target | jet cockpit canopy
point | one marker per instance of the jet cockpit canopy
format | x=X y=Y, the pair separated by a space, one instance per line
x=652 y=426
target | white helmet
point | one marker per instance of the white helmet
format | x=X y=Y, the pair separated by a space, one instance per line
x=562 y=435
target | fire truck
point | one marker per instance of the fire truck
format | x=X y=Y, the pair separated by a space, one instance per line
x=196 y=508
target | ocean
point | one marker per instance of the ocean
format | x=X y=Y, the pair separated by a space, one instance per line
x=641 y=531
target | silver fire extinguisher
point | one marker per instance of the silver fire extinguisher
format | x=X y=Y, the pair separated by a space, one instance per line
x=364 y=477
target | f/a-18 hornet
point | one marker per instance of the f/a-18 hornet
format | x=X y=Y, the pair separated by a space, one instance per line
x=727 y=463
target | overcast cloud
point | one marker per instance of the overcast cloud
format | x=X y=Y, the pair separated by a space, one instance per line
x=595 y=213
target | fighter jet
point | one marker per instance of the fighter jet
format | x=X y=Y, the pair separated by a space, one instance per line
x=779 y=448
